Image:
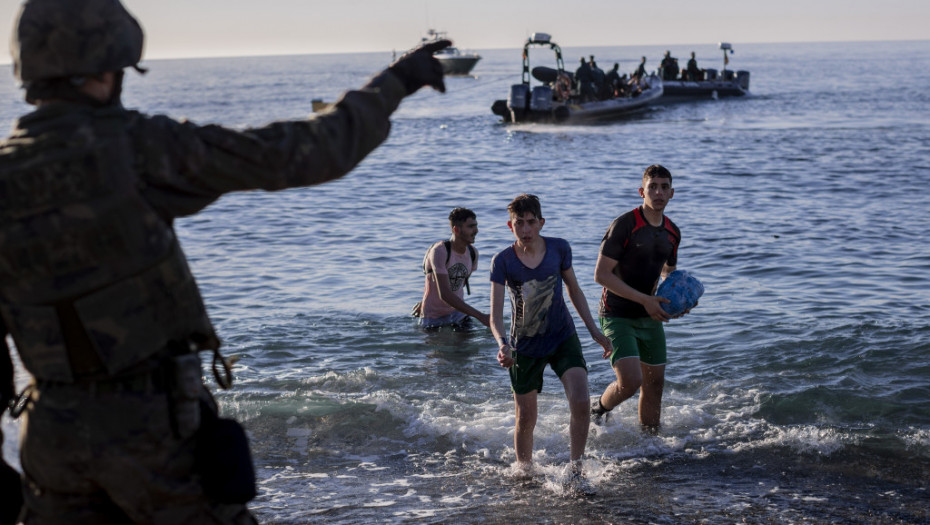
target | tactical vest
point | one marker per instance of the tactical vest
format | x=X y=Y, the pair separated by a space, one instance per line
x=92 y=279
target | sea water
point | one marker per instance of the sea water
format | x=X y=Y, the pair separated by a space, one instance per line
x=796 y=392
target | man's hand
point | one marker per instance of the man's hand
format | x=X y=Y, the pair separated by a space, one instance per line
x=418 y=68
x=505 y=356
x=685 y=312
x=604 y=341
x=653 y=306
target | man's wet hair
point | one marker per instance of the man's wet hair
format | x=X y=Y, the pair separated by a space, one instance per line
x=458 y=216
x=524 y=203
x=657 y=170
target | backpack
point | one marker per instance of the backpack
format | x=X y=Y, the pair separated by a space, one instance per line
x=448 y=244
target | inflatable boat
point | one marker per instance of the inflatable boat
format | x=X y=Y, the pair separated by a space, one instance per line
x=707 y=83
x=556 y=99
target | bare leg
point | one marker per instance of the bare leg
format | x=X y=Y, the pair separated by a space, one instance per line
x=526 y=414
x=650 y=400
x=575 y=381
x=629 y=379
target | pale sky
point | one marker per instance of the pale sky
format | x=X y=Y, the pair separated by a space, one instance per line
x=192 y=28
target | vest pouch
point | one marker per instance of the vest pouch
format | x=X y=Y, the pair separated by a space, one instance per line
x=136 y=317
x=223 y=460
x=127 y=322
x=39 y=341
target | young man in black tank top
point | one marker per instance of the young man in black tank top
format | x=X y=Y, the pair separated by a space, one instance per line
x=638 y=247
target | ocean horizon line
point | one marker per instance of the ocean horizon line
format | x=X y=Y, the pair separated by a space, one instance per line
x=7 y=62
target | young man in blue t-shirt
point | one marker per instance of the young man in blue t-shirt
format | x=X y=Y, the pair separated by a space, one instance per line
x=542 y=331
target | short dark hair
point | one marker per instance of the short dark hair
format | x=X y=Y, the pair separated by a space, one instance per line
x=458 y=216
x=525 y=203
x=657 y=170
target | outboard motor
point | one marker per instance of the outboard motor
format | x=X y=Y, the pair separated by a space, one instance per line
x=517 y=101
x=499 y=107
x=710 y=73
x=541 y=100
x=727 y=74
x=742 y=78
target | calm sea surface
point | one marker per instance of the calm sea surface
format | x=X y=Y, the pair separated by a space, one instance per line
x=797 y=392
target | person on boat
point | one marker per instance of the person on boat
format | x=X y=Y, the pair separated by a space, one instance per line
x=615 y=82
x=636 y=85
x=693 y=72
x=598 y=78
x=638 y=248
x=640 y=70
x=542 y=333
x=447 y=266
x=562 y=86
x=584 y=78
x=95 y=289
x=623 y=87
x=669 y=66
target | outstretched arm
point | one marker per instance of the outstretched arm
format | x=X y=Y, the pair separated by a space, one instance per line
x=581 y=306
x=450 y=298
x=606 y=276
x=185 y=167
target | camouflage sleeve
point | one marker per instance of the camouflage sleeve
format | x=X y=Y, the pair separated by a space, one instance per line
x=185 y=167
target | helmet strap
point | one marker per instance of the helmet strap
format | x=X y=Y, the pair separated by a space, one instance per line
x=117 y=89
x=69 y=89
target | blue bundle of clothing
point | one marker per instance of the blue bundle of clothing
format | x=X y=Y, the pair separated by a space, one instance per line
x=682 y=290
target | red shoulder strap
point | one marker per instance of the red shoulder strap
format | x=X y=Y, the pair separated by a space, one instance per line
x=640 y=220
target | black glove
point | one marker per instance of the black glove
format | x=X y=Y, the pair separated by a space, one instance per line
x=417 y=67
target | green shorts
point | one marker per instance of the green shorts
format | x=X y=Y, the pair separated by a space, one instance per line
x=643 y=337
x=526 y=374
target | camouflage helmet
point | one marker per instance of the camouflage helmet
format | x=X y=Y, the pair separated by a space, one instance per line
x=64 y=38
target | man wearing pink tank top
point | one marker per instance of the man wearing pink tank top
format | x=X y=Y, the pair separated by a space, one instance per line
x=447 y=265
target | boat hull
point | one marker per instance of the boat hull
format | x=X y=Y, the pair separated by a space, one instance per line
x=734 y=86
x=695 y=90
x=615 y=107
x=458 y=65
x=575 y=112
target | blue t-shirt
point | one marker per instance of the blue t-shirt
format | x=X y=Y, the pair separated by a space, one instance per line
x=541 y=320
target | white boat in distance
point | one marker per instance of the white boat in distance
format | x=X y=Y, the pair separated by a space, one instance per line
x=453 y=61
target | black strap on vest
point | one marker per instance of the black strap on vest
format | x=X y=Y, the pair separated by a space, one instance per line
x=448 y=245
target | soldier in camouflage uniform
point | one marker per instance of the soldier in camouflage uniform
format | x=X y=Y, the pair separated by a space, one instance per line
x=94 y=288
